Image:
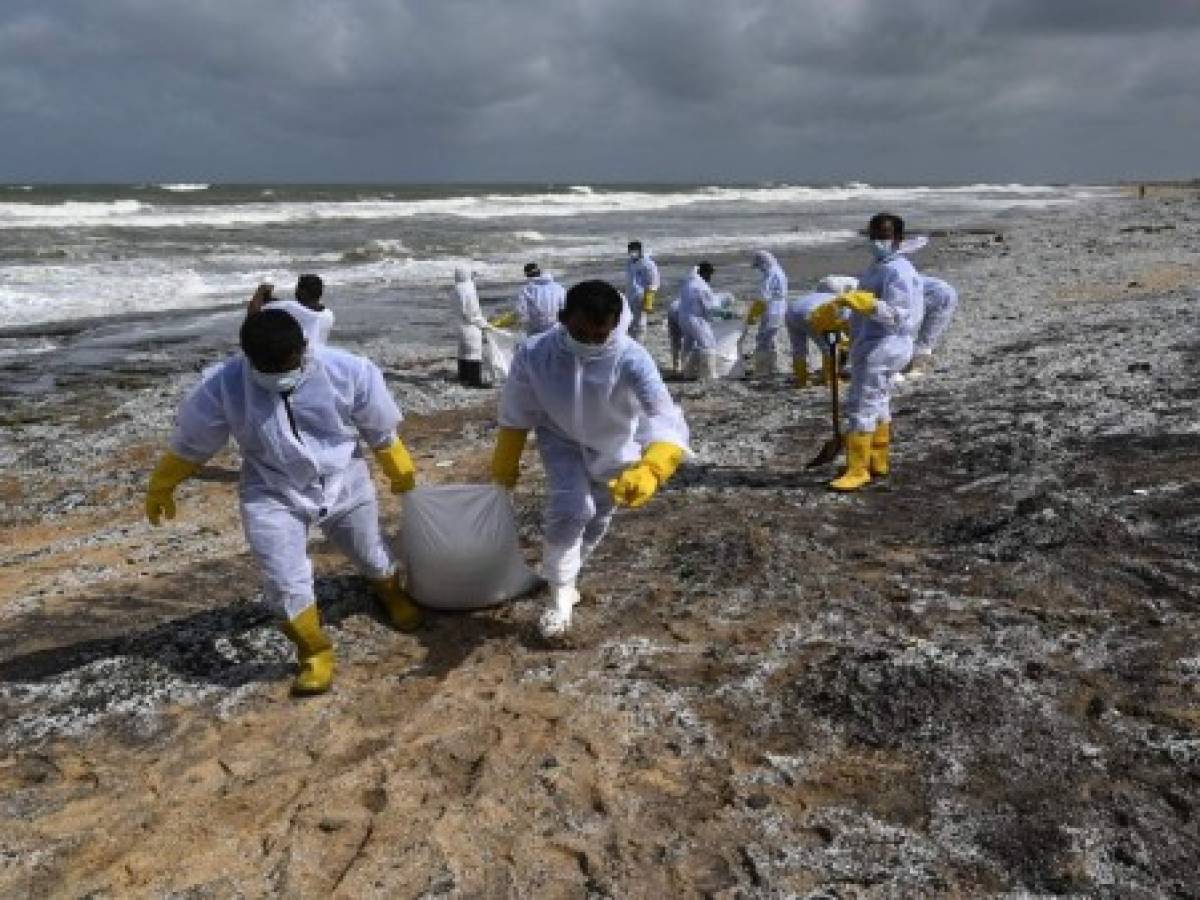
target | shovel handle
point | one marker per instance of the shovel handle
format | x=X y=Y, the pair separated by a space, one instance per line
x=831 y=339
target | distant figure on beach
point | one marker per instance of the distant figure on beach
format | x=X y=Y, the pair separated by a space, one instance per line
x=941 y=300
x=675 y=334
x=608 y=432
x=768 y=310
x=642 y=283
x=316 y=319
x=471 y=325
x=297 y=413
x=540 y=301
x=698 y=306
x=886 y=311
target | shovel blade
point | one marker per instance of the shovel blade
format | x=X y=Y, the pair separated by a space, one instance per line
x=830 y=451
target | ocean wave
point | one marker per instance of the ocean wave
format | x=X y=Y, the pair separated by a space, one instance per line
x=183 y=187
x=559 y=204
x=535 y=237
x=374 y=250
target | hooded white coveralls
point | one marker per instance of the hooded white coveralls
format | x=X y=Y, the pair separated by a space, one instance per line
x=539 y=303
x=641 y=275
x=315 y=325
x=881 y=344
x=674 y=332
x=593 y=417
x=799 y=330
x=772 y=289
x=302 y=462
x=697 y=303
x=940 y=302
x=471 y=322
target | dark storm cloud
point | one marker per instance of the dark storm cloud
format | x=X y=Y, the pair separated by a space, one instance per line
x=600 y=89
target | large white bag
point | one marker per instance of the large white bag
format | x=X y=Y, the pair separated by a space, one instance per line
x=459 y=545
x=498 y=349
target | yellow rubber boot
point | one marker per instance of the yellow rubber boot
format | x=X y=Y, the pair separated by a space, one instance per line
x=881 y=441
x=400 y=609
x=314 y=653
x=800 y=370
x=858 y=457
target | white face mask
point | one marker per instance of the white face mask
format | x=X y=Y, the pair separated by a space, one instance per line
x=280 y=382
x=588 y=351
x=635 y=256
x=882 y=249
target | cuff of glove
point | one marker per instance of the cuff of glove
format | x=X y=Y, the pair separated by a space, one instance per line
x=662 y=459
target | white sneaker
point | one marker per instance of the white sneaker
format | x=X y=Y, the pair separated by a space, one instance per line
x=556 y=620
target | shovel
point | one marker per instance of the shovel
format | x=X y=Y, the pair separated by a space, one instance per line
x=832 y=447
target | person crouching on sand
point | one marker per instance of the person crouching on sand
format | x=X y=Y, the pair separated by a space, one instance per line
x=297 y=414
x=607 y=430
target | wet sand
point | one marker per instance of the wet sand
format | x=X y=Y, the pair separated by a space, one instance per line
x=980 y=676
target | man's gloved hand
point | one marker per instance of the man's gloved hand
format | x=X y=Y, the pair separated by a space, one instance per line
x=160 y=492
x=397 y=465
x=504 y=320
x=648 y=297
x=863 y=302
x=638 y=483
x=506 y=458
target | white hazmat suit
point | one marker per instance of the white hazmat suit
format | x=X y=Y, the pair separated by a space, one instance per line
x=593 y=416
x=641 y=275
x=881 y=343
x=697 y=307
x=539 y=302
x=302 y=462
x=471 y=322
x=941 y=300
x=773 y=291
x=800 y=331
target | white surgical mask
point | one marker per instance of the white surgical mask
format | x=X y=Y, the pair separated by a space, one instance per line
x=882 y=249
x=635 y=256
x=587 y=351
x=280 y=382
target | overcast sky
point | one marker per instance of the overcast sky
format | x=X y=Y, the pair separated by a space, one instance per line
x=599 y=90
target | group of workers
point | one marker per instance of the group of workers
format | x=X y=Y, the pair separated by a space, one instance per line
x=607 y=430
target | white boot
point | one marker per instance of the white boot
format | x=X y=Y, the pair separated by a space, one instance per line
x=556 y=620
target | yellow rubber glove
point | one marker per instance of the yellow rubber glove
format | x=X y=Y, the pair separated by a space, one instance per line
x=648 y=300
x=397 y=465
x=757 y=308
x=860 y=301
x=638 y=483
x=506 y=459
x=160 y=492
x=504 y=320
x=827 y=317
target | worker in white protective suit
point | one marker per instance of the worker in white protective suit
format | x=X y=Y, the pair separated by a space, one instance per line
x=886 y=312
x=675 y=335
x=768 y=310
x=298 y=414
x=316 y=319
x=698 y=306
x=608 y=432
x=941 y=300
x=471 y=325
x=642 y=283
x=539 y=302
x=803 y=331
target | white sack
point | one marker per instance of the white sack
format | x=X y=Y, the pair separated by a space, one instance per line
x=459 y=545
x=498 y=349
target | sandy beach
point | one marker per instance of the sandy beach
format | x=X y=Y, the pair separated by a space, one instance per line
x=980 y=676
